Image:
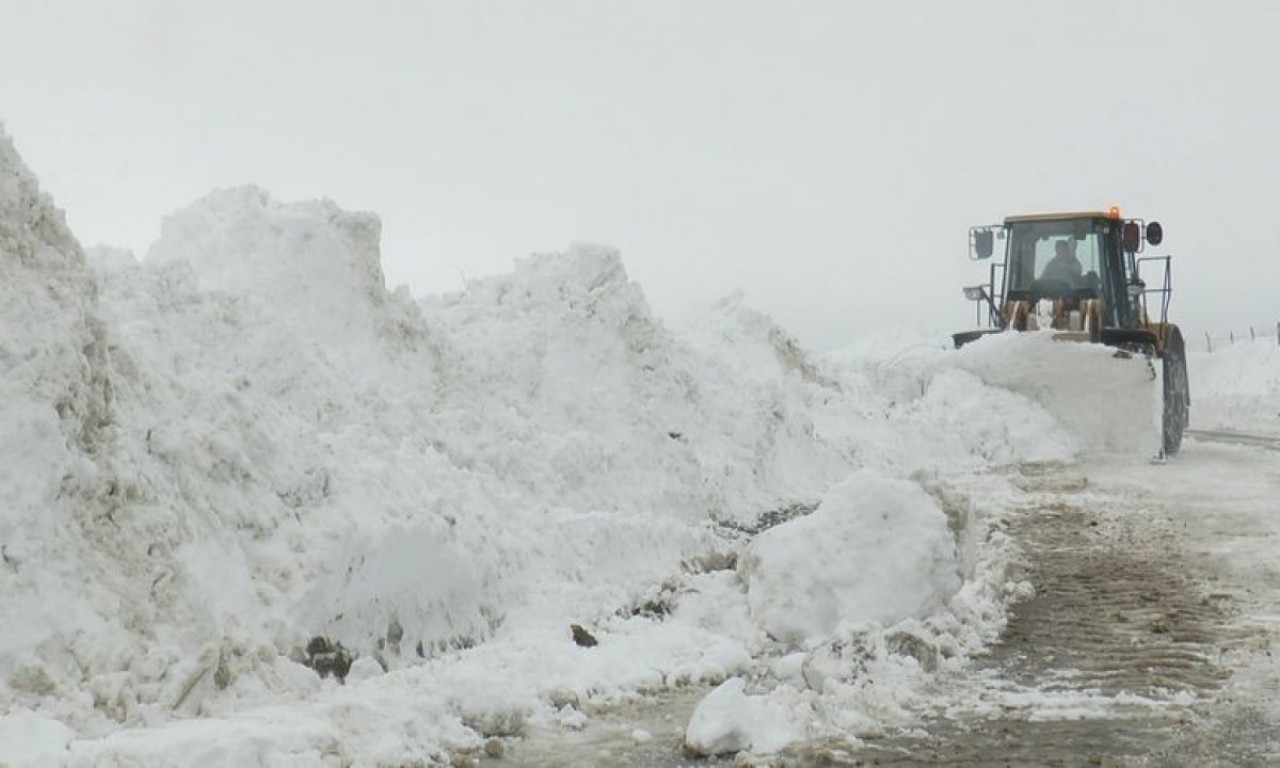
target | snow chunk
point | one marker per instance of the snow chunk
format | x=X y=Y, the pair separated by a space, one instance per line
x=876 y=550
x=728 y=720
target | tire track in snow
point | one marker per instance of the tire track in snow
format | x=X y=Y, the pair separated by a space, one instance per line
x=1116 y=609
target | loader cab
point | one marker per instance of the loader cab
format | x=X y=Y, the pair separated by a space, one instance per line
x=1071 y=258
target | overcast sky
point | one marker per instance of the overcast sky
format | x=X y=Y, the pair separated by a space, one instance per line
x=824 y=157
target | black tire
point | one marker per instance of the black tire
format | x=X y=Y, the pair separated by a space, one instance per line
x=1177 y=393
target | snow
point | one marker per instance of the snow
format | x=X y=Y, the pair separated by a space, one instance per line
x=876 y=550
x=1108 y=401
x=329 y=291
x=729 y=720
x=1237 y=387
x=28 y=738
x=243 y=442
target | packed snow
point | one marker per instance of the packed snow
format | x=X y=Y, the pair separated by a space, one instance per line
x=257 y=509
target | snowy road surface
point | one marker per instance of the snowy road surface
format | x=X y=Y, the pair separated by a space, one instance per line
x=1149 y=640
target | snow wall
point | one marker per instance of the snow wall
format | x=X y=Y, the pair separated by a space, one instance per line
x=244 y=442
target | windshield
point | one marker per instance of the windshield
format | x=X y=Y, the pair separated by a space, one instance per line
x=1054 y=257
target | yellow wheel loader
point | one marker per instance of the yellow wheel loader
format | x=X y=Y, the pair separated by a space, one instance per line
x=1080 y=276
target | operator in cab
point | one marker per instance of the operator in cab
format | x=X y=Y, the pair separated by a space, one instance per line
x=1064 y=266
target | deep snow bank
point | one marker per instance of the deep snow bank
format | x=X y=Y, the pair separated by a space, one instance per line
x=1236 y=387
x=536 y=451
x=245 y=441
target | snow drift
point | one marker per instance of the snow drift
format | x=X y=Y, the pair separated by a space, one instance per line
x=1237 y=388
x=243 y=456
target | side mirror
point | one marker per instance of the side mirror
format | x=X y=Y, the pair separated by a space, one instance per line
x=1131 y=236
x=975 y=292
x=1155 y=233
x=981 y=243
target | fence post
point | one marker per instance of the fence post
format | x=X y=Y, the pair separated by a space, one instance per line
x=1208 y=341
x=1251 y=336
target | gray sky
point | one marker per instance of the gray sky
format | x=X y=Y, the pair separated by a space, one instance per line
x=824 y=157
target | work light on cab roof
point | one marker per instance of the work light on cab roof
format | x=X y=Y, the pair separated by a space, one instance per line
x=1080 y=276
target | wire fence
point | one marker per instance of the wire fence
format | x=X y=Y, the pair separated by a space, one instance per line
x=1212 y=342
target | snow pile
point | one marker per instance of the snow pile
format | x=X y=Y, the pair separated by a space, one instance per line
x=1107 y=400
x=243 y=457
x=400 y=519
x=1236 y=388
x=875 y=550
x=729 y=720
